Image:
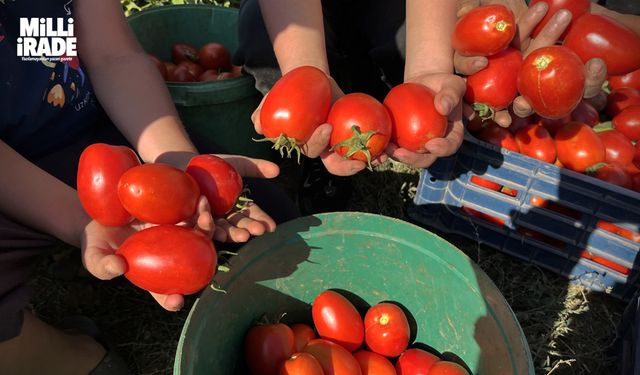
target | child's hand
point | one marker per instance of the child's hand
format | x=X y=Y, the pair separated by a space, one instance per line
x=449 y=90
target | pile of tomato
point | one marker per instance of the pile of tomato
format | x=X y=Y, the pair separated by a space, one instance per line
x=342 y=343
x=210 y=62
x=166 y=257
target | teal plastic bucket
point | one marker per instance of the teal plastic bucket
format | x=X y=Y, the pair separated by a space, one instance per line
x=456 y=308
x=216 y=114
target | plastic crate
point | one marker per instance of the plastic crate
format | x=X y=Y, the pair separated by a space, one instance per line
x=590 y=232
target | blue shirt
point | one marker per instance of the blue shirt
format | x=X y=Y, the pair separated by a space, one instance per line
x=44 y=105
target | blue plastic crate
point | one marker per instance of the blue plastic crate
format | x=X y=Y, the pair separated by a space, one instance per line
x=573 y=243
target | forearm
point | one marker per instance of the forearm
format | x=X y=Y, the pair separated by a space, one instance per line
x=296 y=30
x=430 y=25
x=35 y=198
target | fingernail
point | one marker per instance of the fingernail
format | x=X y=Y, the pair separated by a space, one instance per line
x=326 y=133
x=112 y=270
x=540 y=7
x=179 y=307
x=563 y=16
x=447 y=103
x=595 y=67
x=480 y=63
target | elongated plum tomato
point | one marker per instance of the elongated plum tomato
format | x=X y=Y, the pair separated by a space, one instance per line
x=536 y=142
x=484 y=31
x=302 y=333
x=618 y=148
x=496 y=85
x=218 y=181
x=612 y=173
x=336 y=319
x=627 y=122
x=386 y=329
x=301 y=364
x=373 y=363
x=361 y=127
x=158 y=193
x=415 y=361
x=576 y=7
x=579 y=147
x=334 y=359
x=414 y=118
x=99 y=171
x=552 y=80
x=595 y=35
x=629 y=80
x=169 y=259
x=266 y=346
x=294 y=108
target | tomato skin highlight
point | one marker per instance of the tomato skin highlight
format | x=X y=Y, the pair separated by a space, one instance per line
x=337 y=320
x=99 y=170
x=552 y=80
x=301 y=364
x=495 y=85
x=373 y=363
x=334 y=359
x=415 y=362
x=266 y=347
x=576 y=7
x=629 y=80
x=169 y=259
x=414 y=117
x=579 y=147
x=218 y=181
x=386 y=329
x=484 y=31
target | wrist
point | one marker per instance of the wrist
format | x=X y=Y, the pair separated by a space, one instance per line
x=178 y=159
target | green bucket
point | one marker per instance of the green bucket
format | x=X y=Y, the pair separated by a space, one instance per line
x=216 y=114
x=456 y=308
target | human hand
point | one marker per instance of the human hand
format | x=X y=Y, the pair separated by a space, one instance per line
x=449 y=90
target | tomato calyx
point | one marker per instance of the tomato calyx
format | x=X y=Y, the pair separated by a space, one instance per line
x=357 y=143
x=485 y=111
x=283 y=143
x=542 y=62
x=501 y=25
x=603 y=127
x=594 y=168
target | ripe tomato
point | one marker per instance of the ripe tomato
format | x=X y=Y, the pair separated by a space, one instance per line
x=373 y=363
x=620 y=99
x=485 y=183
x=170 y=67
x=579 y=147
x=159 y=65
x=301 y=364
x=552 y=80
x=484 y=31
x=180 y=73
x=586 y=114
x=169 y=259
x=636 y=155
x=518 y=122
x=296 y=105
x=414 y=118
x=336 y=319
x=495 y=85
x=386 y=329
x=499 y=136
x=334 y=359
x=183 y=52
x=415 y=362
x=193 y=68
x=214 y=56
x=226 y=75
x=635 y=182
x=208 y=75
x=99 y=171
x=629 y=80
x=552 y=125
x=447 y=368
x=618 y=148
x=576 y=7
x=218 y=181
x=627 y=122
x=594 y=35
x=536 y=142
x=612 y=173
x=158 y=193
x=266 y=347
x=361 y=127
x=302 y=334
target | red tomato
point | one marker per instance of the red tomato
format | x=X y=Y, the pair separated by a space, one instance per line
x=336 y=319
x=499 y=136
x=181 y=73
x=618 y=148
x=99 y=171
x=302 y=333
x=170 y=67
x=576 y=7
x=208 y=75
x=595 y=35
x=476 y=124
x=214 y=56
x=635 y=182
x=415 y=362
x=373 y=363
x=629 y=80
x=158 y=193
x=552 y=125
x=485 y=183
x=226 y=75
x=193 y=68
x=236 y=70
x=636 y=155
x=414 y=118
x=586 y=114
x=334 y=359
x=579 y=147
x=632 y=169
x=536 y=142
x=218 y=181
x=627 y=122
x=169 y=259
x=386 y=329
x=620 y=99
x=361 y=127
x=612 y=173
x=518 y=122
x=301 y=364
x=447 y=368
x=296 y=105
x=495 y=85
x=159 y=65
x=552 y=80
x=484 y=31
x=266 y=347
x=184 y=52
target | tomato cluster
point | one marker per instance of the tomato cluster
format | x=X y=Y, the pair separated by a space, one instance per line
x=114 y=188
x=210 y=62
x=343 y=343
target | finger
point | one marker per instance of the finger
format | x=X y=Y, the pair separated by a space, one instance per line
x=502 y=118
x=242 y=220
x=595 y=73
x=171 y=302
x=255 y=116
x=414 y=159
x=103 y=263
x=448 y=145
x=465 y=6
x=318 y=142
x=204 y=221
x=250 y=167
x=468 y=65
x=338 y=166
x=551 y=32
x=232 y=234
x=256 y=213
x=449 y=96
x=521 y=107
x=527 y=22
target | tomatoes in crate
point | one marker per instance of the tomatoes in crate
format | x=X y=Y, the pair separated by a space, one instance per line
x=495 y=86
x=579 y=147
